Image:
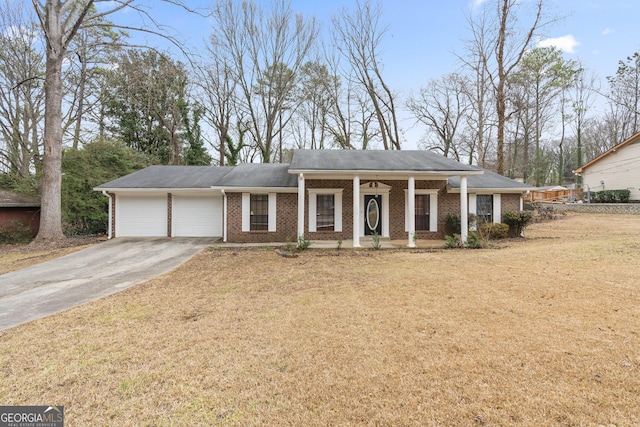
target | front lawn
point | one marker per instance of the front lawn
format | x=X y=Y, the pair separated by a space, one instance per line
x=544 y=331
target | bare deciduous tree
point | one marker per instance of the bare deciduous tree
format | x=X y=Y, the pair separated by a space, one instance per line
x=500 y=42
x=89 y=54
x=624 y=96
x=442 y=106
x=217 y=90
x=60 y=22
x=358 y=37
x=21 y=91
x=264 y=50
x=582 y=98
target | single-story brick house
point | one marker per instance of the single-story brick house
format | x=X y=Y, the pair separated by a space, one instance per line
x=320 y=195
x=19 y=210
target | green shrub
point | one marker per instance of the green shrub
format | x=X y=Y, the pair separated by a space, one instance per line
x=610 y=196
x=453 y=224
x=474 y=241
x=452 y=241
x=376 y=241
x=303 y=243
x=455 y=241
x=517 y=222
x=85 y=211
x=15 y=232
x=494 y=231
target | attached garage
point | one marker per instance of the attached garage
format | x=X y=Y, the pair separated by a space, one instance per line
x=141 y=215
x=196 y=216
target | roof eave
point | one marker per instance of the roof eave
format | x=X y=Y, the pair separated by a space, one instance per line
x=233 y=189
x=627 y=141
x=147 y=189
x=20 y=205
x=451 y=189
x=384 y=172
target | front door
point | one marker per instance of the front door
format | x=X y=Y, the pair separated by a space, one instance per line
x=372 y=214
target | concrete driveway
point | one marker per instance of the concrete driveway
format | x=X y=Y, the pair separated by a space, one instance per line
x=89 y=274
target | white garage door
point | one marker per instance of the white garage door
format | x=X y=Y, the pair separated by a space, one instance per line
x=196 y=216
x=141 y=216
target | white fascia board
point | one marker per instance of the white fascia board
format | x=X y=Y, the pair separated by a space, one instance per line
x=485 y=190
x=257 y=190
x=377 y=175
x=382 y=172
x=152 y=190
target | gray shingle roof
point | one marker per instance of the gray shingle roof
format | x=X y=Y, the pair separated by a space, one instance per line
x=170 y=177
x=9 y=199
x=251 y=175
x=374 y=160
x=256 y=175
x=489 y=180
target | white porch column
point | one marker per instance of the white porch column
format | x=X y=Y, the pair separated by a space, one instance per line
x=224 y=216
x=300 y=207
x=356 y=211
x=411 y=207
x=464 y=210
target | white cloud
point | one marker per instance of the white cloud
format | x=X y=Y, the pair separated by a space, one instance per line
x=477 y=3
x=566 y=43
x=607 y=31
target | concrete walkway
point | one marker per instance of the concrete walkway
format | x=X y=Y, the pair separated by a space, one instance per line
x=88 y=275
x=365 y=243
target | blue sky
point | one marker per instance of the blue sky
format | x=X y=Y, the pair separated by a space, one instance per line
x=424 y=34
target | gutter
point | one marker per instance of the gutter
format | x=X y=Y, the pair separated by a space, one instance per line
x=384 y=172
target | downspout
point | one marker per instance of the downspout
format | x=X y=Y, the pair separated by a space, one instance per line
x=110 y=217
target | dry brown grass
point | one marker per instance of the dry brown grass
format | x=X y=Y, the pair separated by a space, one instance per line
x=17 y=256
x=539 y=332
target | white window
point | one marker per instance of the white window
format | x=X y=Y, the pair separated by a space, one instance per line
x=325 y=209
x=486 y=207
x=258 y=211
x=425 y=210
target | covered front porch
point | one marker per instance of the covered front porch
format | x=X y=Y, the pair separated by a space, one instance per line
x=385 y=206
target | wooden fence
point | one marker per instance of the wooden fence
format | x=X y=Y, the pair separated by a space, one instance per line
x=553 y=195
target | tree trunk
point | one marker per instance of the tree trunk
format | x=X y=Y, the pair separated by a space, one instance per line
x=501 y=108
x=51 y=205
x=83 y=82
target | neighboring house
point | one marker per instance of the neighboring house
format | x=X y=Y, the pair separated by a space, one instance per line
x=19 y=210
x=616 y=169
x=320 y=195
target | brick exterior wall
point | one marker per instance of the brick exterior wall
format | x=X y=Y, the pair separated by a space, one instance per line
x=26 y=217
x=347 y=209
x=510 y=202
x=450 y=204
x=286 y=221
x=287 y=212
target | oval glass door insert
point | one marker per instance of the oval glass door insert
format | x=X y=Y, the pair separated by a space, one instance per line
x=373 y=214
